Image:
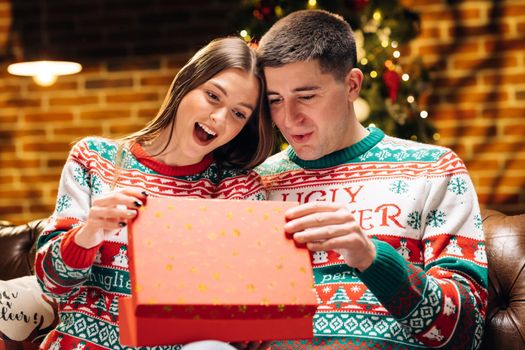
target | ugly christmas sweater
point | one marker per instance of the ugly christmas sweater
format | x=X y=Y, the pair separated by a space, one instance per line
x=89 y=282
x=428 y=284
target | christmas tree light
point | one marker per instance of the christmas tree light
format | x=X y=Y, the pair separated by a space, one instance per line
x=394 y=90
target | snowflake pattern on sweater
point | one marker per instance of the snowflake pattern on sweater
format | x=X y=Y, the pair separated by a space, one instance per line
x=89 y=282
x=428 y=284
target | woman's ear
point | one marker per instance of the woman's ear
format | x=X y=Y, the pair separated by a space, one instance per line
x=353 y=81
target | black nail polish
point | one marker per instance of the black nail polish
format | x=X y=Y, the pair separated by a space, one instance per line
x=122 y=224
x=145 y=193
x=137 y=204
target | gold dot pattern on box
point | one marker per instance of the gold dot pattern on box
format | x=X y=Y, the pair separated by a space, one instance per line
x=189 y=309
x=219 y=229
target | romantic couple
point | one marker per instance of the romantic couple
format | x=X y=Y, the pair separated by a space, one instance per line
x=397 y=219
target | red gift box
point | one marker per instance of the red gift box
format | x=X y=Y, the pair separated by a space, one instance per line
x=215 y=269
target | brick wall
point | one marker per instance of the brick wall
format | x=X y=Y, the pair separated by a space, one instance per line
x=131 y=50
x=475 y=50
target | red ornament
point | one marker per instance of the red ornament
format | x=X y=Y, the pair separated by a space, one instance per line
x=265 y=10
x=392 y=83
x=357 y=5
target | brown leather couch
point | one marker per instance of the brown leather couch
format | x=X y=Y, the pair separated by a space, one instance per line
x=505 y=244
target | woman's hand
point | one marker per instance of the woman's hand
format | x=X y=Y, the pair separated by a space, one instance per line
x=107 y=213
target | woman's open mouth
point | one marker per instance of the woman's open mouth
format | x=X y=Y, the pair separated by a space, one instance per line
x=203 y=133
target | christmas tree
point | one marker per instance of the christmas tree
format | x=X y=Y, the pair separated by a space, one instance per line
x=395 y=88
x=339 y=297
x=100 y=304
x=113 y=308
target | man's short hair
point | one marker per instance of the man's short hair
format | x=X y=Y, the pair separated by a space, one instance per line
x=310 y=35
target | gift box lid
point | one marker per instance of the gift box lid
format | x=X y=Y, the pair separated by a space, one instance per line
x=218 y=258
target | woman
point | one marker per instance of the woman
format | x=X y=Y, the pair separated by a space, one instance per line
x=211 y=129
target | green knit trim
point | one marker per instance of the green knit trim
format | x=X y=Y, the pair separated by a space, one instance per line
x=480 y=274
x=386 y=272
x=341 y=156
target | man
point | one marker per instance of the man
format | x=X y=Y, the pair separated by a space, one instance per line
x=393 y=226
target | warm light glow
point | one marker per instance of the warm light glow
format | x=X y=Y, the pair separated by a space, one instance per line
x=423 y=114
x=394 y=44
x=364 y=61
x=384 y=43
x=278 y=11
x=45 y=79
x=436 y=136
x=312 y=3
x=413 y=137
x=377 y=15
x=405 y=77
x=373 y=74
x=371 y=125
x=44 y=73
x=396 y=54
x=410 y=99
x=243 y=33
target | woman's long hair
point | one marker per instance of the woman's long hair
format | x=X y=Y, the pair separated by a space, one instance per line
x=255 y=141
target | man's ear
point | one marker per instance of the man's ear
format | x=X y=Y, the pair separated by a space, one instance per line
x=353 y=81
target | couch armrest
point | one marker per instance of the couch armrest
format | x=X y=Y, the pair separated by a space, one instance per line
x=17 y=248
x=505 y=246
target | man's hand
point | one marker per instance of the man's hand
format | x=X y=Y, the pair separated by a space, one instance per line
x=324 y=226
